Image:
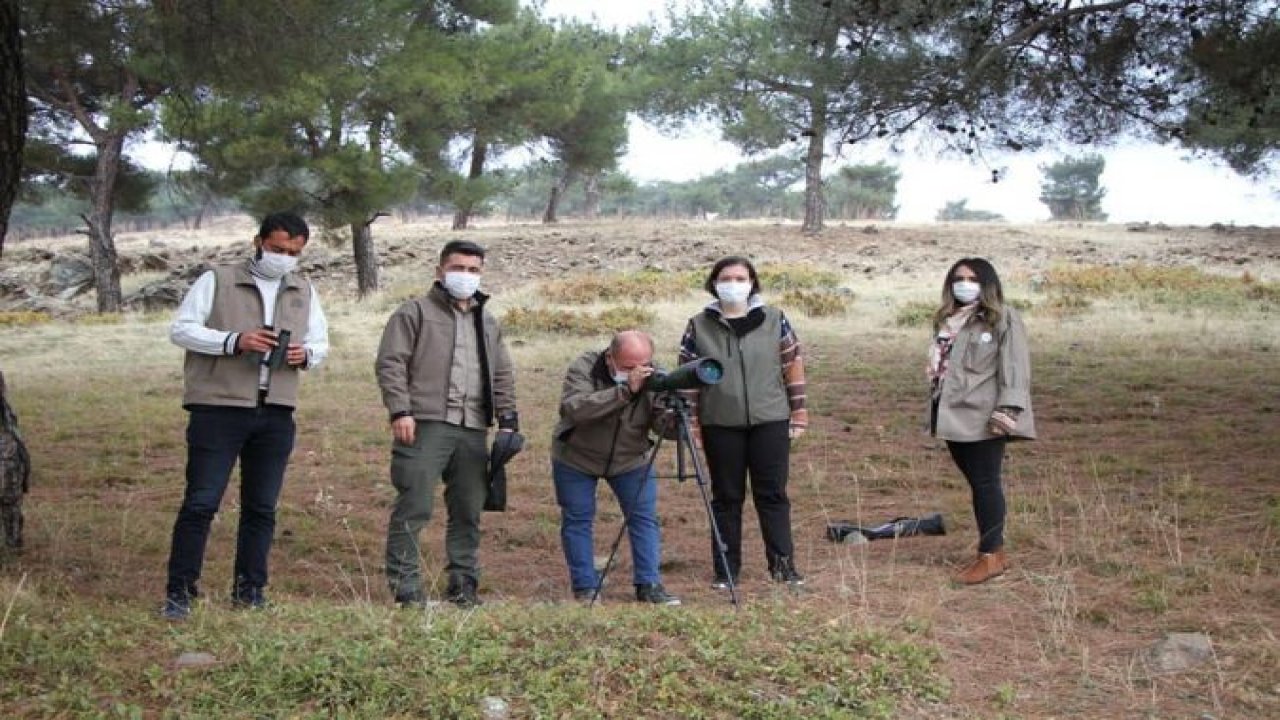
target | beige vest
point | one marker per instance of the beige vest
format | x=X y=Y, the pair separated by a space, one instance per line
x=232 y=380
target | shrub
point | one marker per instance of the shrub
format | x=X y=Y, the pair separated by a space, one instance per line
x=642 y=286
x=783 y=278
x=530 y=321
x=100 y=319
x=816 y=303
x=1065 y=305
x=1183 y=286
x=23 y=318
x=916 y=313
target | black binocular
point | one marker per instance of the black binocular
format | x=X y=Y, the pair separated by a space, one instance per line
x=280 y=353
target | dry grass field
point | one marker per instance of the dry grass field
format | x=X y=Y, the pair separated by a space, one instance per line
x=1150 y=505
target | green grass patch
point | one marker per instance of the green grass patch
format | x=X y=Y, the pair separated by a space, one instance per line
x=542 y=320
x=324 y=661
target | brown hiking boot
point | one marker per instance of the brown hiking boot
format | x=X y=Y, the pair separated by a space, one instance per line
x=983 y=568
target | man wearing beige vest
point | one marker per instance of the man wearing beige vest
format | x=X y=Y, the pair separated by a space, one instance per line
x=445 y=377
x=241 y=387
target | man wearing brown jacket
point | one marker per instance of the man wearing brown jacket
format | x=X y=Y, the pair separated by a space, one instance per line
x=604 y=431
x=445 y=377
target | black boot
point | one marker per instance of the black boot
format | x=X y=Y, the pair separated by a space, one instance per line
x=462 y=591
x=783 y=570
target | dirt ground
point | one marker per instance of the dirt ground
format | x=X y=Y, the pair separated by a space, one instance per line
x=1131 y=519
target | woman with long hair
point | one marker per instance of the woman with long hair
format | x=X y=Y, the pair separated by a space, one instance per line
x=980 y=374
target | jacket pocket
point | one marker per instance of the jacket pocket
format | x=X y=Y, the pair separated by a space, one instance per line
x=981 y=353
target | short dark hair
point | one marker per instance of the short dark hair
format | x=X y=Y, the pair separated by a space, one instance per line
x=461 y=247
x=289 y=222
x=724 y=262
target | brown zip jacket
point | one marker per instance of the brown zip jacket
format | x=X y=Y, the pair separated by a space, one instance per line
x=416 y=352
x=603 y=428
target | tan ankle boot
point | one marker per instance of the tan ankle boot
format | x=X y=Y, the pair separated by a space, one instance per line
x=983 y=568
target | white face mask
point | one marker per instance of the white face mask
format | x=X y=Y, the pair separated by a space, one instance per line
x=461 y=285
x=275 y=265
x=966 y=292
x=733 y=293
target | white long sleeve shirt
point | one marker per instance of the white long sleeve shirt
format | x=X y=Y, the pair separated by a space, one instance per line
x=190 y=332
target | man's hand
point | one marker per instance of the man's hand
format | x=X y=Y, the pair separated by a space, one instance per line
x=638 y=376
x=403 y=429
x=296 y=355
x=260 y=340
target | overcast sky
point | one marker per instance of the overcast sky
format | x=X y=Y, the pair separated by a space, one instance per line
x=1143 y=181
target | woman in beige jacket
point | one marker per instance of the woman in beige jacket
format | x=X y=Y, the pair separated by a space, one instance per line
x=980 y=372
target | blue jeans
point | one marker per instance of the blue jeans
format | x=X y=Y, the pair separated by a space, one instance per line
x=637 y=493
x=262 y=439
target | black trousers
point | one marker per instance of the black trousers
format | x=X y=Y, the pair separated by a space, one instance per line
x=980 y=462
x=261 y=439
x=764 y=452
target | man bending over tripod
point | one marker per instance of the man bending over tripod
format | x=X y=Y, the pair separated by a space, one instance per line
x=605 y=420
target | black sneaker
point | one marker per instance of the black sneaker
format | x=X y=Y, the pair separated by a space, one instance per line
x=722 y=583
x=248 y=597
x=784 y=571
x=655 y=594
x=462 y=591
x=176 y=608
x=584 y=594
x=412 y=600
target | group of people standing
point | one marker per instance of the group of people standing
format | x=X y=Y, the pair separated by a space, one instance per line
x=446 y=377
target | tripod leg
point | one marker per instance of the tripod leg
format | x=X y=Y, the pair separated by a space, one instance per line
x=617 y=541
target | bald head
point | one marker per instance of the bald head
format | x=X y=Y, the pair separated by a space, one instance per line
x=630 y=349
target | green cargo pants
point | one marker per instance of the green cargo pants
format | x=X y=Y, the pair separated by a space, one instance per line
x=457 y=456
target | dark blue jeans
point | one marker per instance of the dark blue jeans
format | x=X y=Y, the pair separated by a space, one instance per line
x=637 y=494
x=262 y=439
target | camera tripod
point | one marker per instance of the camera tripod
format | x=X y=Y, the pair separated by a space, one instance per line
x=678 y=411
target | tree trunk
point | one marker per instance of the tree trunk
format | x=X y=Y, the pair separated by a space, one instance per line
x=15 y=472
x=102 y=247
x=462 y=217
x=366 y=258
x=557 y=191
x=591 y=196
x=814 y=203
x=200 y=213
x=553 y=203
x=13 y=111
